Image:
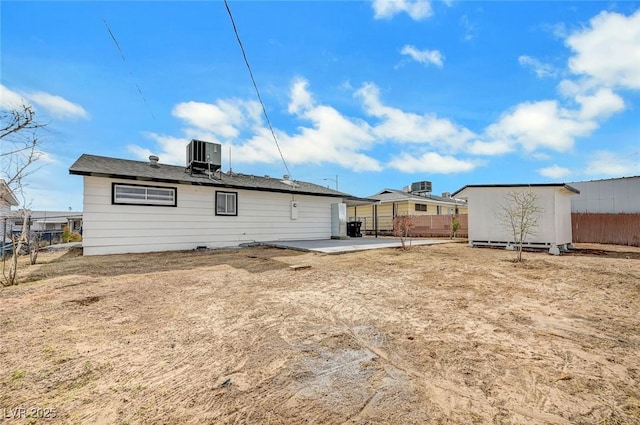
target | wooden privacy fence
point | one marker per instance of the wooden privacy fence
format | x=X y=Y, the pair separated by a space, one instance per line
x=439 y=225
x=619 y=229
x=424 y=225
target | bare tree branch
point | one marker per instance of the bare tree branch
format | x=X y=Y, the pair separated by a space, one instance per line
x=520 y=216
x=18 y=152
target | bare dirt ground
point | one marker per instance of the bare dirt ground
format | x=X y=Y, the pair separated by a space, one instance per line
x=442 y=334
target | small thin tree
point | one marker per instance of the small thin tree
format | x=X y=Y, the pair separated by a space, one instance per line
x=18 y=151
x=520 y=216
x=402 y=225
x=455 y=226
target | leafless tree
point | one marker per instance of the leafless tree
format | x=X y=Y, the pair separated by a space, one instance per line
x=402 y=225
x=19 y=144
x=520 y=216
x=18 y=151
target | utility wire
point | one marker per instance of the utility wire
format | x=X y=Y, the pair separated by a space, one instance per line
x=113 y=37
x=253 y=80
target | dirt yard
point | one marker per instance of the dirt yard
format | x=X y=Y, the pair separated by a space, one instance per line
x=442 y=334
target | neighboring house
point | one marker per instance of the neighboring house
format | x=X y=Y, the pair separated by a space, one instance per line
x=49 y=224
x=392 y=203
x=133 y=206
x=607 y=211
x=56 y=221
x=486 y=228
x=7 y=199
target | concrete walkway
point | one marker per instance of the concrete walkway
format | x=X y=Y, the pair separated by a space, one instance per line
x=334 y=246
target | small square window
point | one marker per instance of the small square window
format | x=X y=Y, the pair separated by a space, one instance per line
x=226 y=203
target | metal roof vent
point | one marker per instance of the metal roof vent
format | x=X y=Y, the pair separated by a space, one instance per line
x=153 y=160
x=285 y=177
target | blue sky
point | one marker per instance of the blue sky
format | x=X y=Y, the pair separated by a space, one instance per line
x=380 y=94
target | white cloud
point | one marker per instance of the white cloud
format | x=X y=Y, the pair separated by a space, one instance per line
x=604 y=163
x=407 y=127
x=430 y=162
x=300 y=96
x=57 y=106
x=46 y=157
x=542 y=70
x=144 y=153
x=554 y=172
x=423 y=56
x=496 y=147
x=10 y=99
x=543 y=124
x=601 y=105
x=416 y=9
x=608 y=50
x=330 y=137
x=468 y=28
x=225 y=118
x=172 y=149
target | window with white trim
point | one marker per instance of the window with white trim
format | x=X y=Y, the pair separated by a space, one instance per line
x=226 y=203
x=133 y=194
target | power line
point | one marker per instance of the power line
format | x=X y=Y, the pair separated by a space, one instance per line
x=113 y=37
x=253 y=80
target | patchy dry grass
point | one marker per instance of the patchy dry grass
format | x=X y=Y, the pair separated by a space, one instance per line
x=438 y=334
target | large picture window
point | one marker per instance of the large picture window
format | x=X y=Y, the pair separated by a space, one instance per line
x=226 y=203
x=132 y=194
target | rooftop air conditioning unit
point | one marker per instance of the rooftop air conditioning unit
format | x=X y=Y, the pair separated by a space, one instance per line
x=423 y=186
x=203 y=156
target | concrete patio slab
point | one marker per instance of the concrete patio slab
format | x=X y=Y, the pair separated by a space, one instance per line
x=335 y=246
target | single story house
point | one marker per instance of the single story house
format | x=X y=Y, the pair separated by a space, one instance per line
x=486 y=227
x=48 y=221
x=136 y=206
x=392 y=203
x=7 y=199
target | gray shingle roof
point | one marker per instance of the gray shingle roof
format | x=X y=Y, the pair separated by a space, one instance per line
x=102 y=166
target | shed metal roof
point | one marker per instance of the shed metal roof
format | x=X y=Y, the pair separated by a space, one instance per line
x=561 y=185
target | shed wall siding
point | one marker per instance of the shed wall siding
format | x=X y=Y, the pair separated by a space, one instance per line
x=485 y=223
x=262 y=216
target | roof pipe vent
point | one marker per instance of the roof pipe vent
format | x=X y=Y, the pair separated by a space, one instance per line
x=153 y=160
x=285 y=177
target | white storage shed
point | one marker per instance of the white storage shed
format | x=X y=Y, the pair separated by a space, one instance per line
x=486 y=226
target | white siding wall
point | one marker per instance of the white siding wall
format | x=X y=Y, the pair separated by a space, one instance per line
x=607 y=196
x=484 y=215
x=5 y=208
x=262 y=216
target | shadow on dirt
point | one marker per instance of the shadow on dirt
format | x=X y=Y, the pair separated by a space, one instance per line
x=253 y=260
x=587 y=252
